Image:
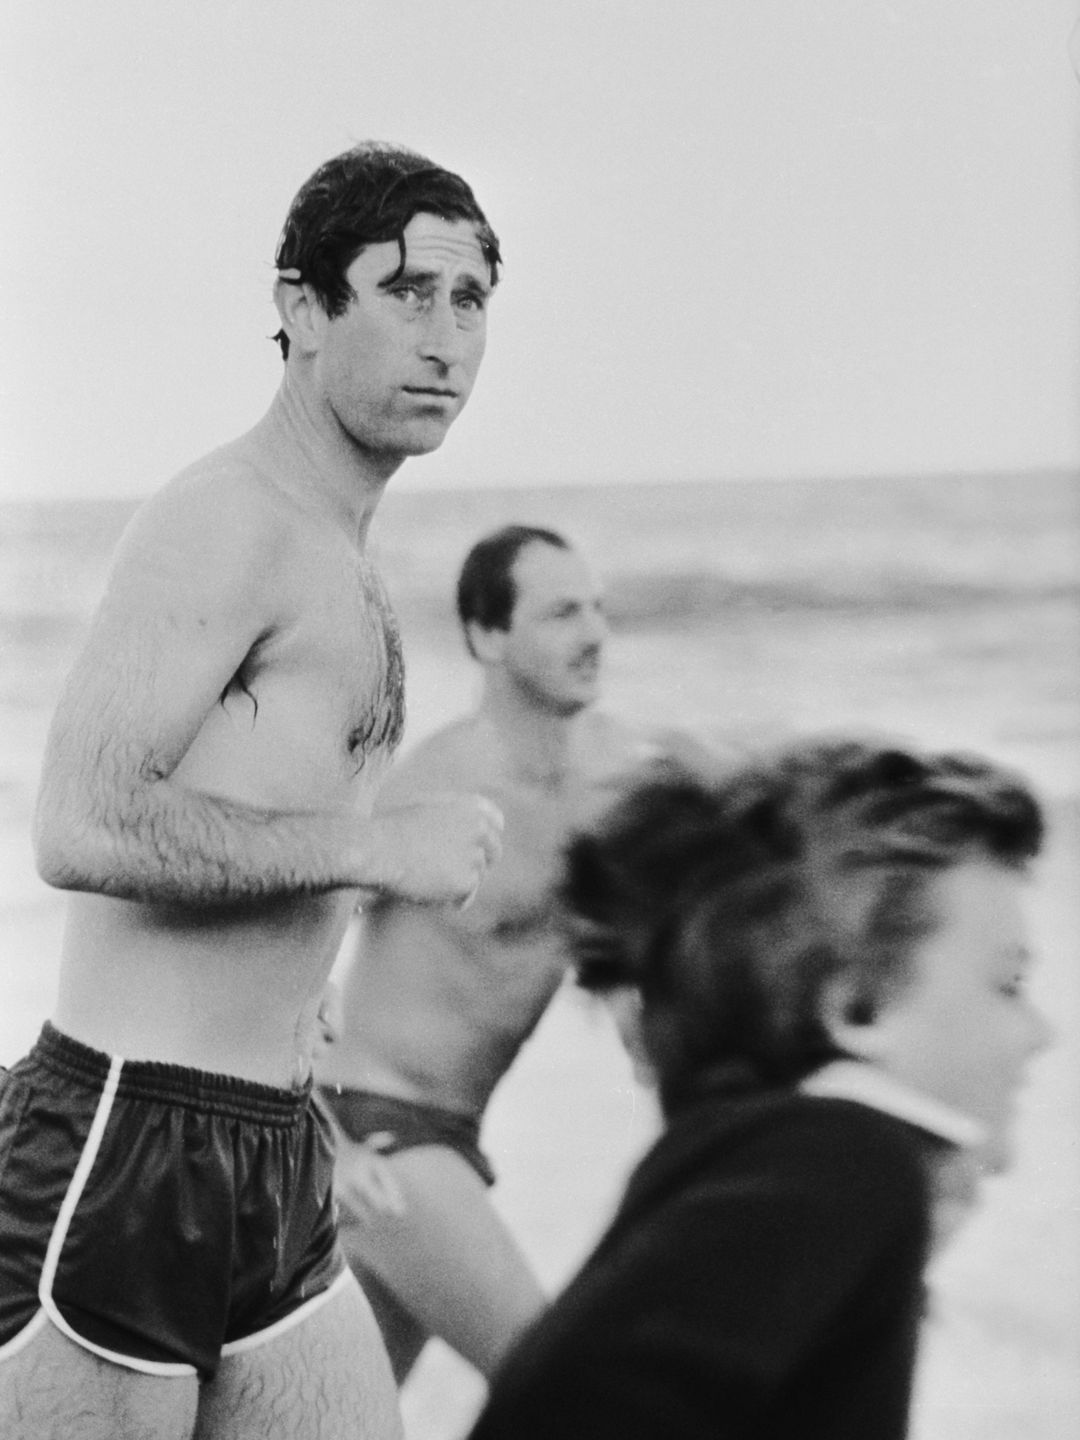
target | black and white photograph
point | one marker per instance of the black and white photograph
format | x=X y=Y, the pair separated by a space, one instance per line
x=540 y=720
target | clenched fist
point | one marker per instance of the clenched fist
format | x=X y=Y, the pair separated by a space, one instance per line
x=437 y=849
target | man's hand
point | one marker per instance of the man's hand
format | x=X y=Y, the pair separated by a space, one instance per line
x=364 y=1180
x=437 y=850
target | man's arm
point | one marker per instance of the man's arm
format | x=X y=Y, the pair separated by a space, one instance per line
x=192 y=592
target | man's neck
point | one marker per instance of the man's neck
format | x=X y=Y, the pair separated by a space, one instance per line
x=311 y=458
x=539 y=743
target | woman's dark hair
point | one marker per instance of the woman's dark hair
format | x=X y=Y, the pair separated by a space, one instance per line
x=730 y=904
x=367 y=196
x=486 y=592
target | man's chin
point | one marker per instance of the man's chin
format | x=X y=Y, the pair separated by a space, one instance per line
x=587 y=693
x=423 y=439
x=415 y=435
x=428 y=438
x=574 y=704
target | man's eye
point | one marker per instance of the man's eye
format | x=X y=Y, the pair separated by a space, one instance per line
x=410 y=295
x=469 y=300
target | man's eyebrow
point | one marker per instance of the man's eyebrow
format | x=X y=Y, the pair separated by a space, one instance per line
x=473 y=284
x=407 y=275
x=413 y=275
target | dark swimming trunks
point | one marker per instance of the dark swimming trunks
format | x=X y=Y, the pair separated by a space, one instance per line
x=159 y=1216
x=388 y=1124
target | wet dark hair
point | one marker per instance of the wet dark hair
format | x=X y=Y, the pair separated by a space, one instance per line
x=486 y=592
x=730 y=904
x=367 y=196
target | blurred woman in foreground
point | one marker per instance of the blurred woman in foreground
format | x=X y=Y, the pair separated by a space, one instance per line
x=830 y=950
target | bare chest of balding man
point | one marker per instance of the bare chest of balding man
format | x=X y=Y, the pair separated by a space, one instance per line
x=441 y=1000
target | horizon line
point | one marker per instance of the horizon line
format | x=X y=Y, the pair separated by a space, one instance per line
x=952 y=474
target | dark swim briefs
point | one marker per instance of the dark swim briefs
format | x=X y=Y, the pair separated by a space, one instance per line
x=388 y=1124
x=159 y=1216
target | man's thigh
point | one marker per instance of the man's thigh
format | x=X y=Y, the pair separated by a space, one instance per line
x=53 y=1389
x=448 y=1258
x=403 y=1334
x=326 y=1377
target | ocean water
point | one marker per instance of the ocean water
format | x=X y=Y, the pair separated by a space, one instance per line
x=945 y=608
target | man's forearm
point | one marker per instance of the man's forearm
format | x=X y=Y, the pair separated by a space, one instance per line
x=175 y=846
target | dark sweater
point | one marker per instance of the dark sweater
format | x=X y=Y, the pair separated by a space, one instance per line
x=763 y=1277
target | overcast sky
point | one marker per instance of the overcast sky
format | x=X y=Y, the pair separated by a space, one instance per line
x=742 y=237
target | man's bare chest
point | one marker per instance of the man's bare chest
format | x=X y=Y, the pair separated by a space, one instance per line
x=337 y=650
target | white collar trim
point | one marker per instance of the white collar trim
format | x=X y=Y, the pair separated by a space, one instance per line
x=867 y=1085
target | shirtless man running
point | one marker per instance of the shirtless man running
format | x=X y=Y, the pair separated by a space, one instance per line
x=437 y=1003
x=168 y=1256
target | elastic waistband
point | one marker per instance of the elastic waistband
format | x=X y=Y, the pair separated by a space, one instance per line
x=170 y=1084
x=341 y=1098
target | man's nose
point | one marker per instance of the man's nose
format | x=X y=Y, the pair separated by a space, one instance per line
x=596 y=625
x=443 y=339
x=1042 y=1032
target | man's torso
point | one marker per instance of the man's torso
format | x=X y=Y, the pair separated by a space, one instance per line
x=439 y=1001
x=306 y=723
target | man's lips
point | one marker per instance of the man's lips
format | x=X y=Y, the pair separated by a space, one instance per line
x=430 y=391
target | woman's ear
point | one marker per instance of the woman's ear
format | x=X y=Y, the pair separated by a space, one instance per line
x=850 y=1019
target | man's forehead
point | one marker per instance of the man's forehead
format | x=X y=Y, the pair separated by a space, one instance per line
x=543 y=570
x=431 y=243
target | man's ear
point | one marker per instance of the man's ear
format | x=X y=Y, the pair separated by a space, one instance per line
x=852 y=1022
x=487 y=645
x=302 y=316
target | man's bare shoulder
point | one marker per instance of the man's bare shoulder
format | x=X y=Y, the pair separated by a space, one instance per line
x=219 y=525
x=224 y=488
x=609 y=735
x=616 y=750
x=195 y=504
x=708 y=760
x=612 y=743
